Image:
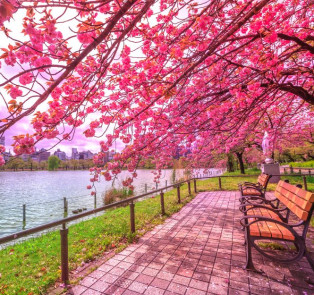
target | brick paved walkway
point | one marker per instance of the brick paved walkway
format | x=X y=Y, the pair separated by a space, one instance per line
x=197 y=251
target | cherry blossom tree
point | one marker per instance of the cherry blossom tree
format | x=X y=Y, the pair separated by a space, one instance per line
x=157 y=75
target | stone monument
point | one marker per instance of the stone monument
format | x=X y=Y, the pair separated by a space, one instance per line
x=269 y=167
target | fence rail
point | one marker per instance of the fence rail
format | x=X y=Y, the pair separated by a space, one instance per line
x=299 y=170
x=27 y=215
x=130 y=201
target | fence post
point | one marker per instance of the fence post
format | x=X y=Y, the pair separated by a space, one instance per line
x=132 y=217
x=305 y=183
x=300 y=171
x=166 y=183
x=189 y=186
x=178 y=193
x=145 y=187
x=284 y=170
x=310 y=172
x=65 y=206
x=24 y=216
x=64 y=255
x=219 y=180
x=95 y=201
x=291 y=170
x=195 y=189
x=156 y=185
x=162 y=203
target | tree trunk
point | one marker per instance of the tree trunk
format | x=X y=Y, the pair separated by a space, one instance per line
x=230 y=166
x=241 y=164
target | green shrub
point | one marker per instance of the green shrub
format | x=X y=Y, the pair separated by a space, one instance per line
x=115 y=195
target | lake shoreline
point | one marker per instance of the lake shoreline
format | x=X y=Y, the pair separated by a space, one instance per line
x=43 y=196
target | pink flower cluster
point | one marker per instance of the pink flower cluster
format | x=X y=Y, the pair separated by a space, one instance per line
x=24 y=144
x=15 y=92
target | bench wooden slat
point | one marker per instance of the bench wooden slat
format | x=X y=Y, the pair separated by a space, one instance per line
x=298 y=201
x=268 y=229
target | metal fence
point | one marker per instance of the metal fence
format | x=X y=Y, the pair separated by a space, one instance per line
x=300 y=170
x=23 y=216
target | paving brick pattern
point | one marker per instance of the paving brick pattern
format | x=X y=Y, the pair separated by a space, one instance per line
x=197 y=251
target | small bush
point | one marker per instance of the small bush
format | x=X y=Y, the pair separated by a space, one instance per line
x=115 y=195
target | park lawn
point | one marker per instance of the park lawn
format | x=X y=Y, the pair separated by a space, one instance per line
x=31 y=267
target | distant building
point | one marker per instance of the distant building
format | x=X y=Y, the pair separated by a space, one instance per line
x=43 y=155
x=24 y=157
x=86 y=155
x=2 y=140
x=6 y=156
x=61 y=155
x=35 y=157
x=108 y=156
x=111 y=155
x=75 y=154
x=181 y=152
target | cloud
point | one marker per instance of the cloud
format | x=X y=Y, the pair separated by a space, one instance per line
x=79 y=141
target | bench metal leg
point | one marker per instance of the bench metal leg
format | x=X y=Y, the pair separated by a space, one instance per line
x=309 y=258
x=248 y=249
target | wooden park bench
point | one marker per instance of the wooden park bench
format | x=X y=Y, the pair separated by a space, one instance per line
x=265 y=222
x=254 y=189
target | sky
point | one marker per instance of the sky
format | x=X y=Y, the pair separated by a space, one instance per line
x=79 y=141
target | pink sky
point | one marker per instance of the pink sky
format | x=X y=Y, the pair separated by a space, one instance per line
x=79 y=141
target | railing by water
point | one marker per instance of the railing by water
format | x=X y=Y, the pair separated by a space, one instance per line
x=28 y=214
x=130 y=201
x=300 y=170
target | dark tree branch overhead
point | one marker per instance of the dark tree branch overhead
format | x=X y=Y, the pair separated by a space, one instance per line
x=303 y=44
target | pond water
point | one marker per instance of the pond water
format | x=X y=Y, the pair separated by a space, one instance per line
x=42 y=192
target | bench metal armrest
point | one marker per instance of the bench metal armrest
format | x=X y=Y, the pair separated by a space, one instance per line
x=243 y=209
x=259 y=201
x=257 y=188
x=252 y=185
x=248 y=198
x=247 y=182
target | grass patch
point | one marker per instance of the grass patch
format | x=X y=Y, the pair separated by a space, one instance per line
x=33 y=266
x=231 y=184
x=307 y=164
x=275 y=246
x=271 y=245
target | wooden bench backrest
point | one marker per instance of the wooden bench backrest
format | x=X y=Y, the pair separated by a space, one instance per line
x=298 y=200
x=263 y=179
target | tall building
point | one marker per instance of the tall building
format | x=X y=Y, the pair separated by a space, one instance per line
x=2 y=140
x=75 y=154
x=61 y=155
